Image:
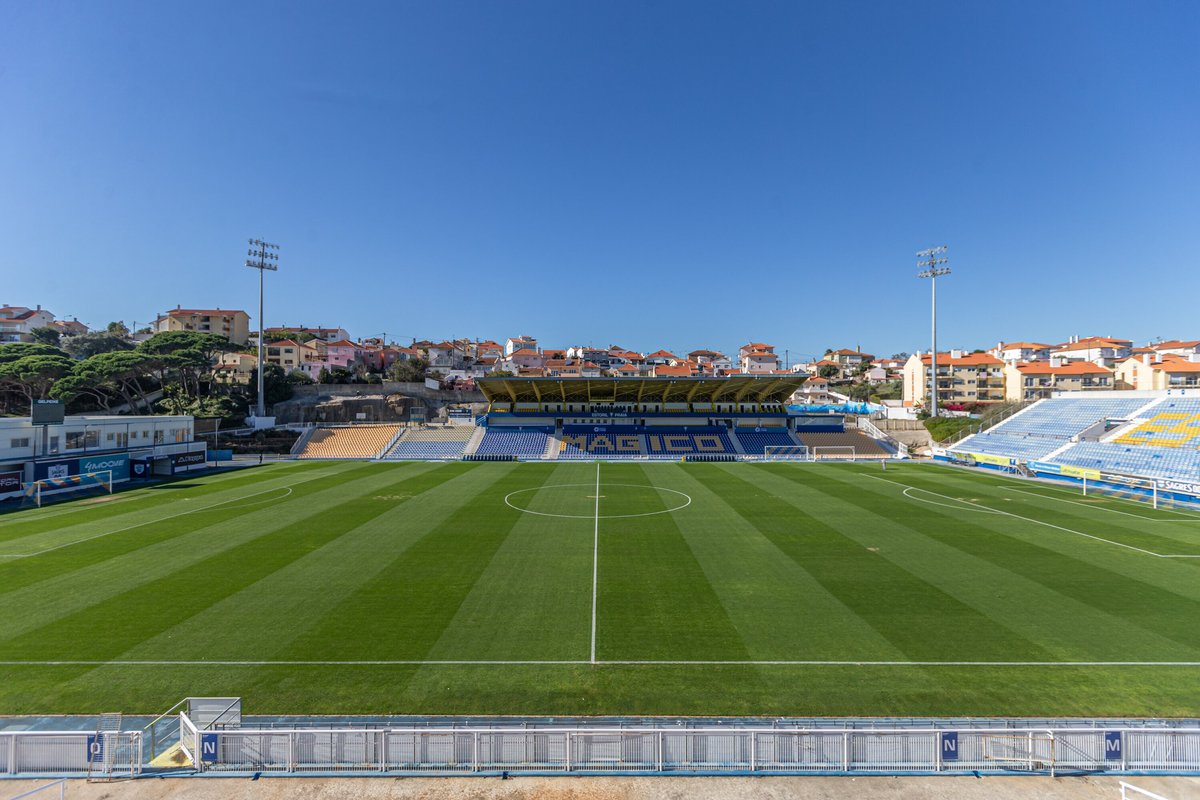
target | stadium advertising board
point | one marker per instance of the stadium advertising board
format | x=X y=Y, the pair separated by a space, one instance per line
x=1179 y=486
x=1046 y=467
x=116 y=463
x=140 y=469
x=988 y=458
x=63 y=468
x=1080 y=472
x=10 y=482
x=196 y=458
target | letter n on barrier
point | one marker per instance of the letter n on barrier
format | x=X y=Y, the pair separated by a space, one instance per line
x=208 y=748
x=1112 y=745
x=949 y=745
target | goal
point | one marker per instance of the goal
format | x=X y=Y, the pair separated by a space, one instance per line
x=1124 y=487
x=83 y=485
x=844 y=452
x=785 y=452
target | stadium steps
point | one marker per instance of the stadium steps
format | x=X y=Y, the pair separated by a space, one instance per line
x=1055 y=453
x=302 y=441
x=1136 y=420
x=737 y=443
x=391 y=443
x=473 y=442
x=553 y=445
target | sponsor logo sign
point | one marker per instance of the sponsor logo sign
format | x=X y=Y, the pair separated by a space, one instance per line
x=1179 y=486
x=188 y=459
x=1081 y=472
x=116 y=463
x=10 y=482
x=55 y=469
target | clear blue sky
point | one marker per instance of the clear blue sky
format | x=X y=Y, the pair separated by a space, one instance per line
x=678 y=174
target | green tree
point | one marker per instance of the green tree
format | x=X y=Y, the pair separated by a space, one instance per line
x=117 y=329
x=86 y=345
x=46 y=335
x=410 y=371
x=33 y=376
x=829 y=371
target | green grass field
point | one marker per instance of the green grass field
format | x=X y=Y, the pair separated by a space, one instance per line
x=493 y=588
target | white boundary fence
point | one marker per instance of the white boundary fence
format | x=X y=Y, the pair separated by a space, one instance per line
x=694 y=751
x=71 y=753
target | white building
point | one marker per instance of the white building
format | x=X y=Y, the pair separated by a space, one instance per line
x=88 y=444
x=17 y=323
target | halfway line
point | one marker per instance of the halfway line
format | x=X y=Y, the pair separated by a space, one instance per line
x=595 y=560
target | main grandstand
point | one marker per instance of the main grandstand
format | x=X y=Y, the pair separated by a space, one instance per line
x=568 y=419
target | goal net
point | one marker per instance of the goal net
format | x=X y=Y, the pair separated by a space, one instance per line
x=835 y=451
x=69 y=487
x=1122 y=487
x=784 y=452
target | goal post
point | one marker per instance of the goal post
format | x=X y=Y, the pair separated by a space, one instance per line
x=86 y=483
x=843 y=452
x=1122 y=487
x=785 y=452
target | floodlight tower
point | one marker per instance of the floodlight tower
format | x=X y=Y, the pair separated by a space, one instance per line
x=932 y=262
x=262 y=256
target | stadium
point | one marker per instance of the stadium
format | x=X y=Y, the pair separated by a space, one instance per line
x=561 y=582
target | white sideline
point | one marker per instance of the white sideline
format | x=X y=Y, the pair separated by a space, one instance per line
x=602 y=663
x=1031 y=519
x=596 y=560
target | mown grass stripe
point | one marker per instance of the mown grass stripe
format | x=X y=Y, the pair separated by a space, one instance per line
x=1110 y=595
x=904 y=607
x=403 y=610
x=508 y=616
x=97 y=554
x=779 y=608
x=112 y=621
x=232 y=629
x=655 y=600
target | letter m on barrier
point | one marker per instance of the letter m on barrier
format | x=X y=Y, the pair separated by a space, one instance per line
x=1112 y=745
x=949 y=745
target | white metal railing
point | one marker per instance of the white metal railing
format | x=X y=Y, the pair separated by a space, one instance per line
x=578 y=750
x=70 y=752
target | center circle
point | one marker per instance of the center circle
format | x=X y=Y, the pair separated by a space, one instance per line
x=578 y=500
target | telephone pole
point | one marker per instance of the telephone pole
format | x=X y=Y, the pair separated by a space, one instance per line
x=262 y=256
x=932 y=262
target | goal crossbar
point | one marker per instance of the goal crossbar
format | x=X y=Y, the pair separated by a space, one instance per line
x=38 y=489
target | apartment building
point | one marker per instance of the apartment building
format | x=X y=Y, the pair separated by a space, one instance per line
x=1097 y=349
x=961 y=378
x=1037 y=379
x=1167 y=372
x=233 y=324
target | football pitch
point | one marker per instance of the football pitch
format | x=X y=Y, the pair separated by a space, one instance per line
x=583 y=588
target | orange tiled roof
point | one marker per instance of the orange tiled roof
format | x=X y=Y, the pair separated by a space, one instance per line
x=204 y=312
x=1074 y=368
x=967 y=360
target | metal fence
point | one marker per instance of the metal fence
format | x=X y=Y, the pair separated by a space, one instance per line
x=694 y=751
x=111 y=753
